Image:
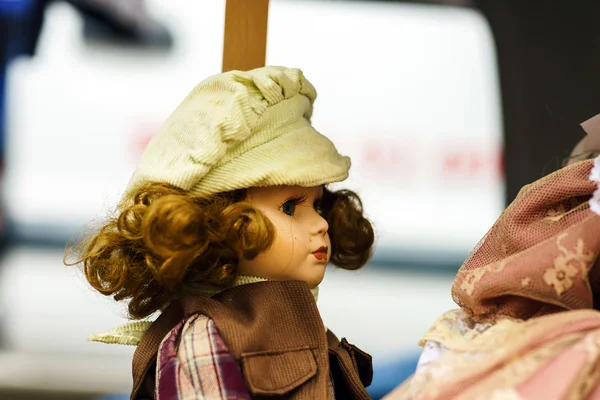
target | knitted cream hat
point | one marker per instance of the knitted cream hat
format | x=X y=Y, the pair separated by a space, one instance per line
x=242 y=129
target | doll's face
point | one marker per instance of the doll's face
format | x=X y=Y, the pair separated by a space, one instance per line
x=301 y=249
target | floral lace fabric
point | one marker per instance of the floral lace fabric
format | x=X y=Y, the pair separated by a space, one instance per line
x=526 y=327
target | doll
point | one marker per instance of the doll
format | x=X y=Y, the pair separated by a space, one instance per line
x=225 y=230
x=528 y=326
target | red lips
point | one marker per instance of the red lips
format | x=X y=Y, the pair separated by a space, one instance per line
x=321 y=253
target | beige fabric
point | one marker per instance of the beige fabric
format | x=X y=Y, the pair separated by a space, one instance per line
x=592 y=128
x=590 y=143
x=551 y=357
x=128 y=334
x=242 y=129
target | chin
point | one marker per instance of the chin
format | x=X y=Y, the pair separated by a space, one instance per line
x=315 y=281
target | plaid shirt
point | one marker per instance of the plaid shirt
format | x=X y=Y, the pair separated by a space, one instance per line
x=199 y=365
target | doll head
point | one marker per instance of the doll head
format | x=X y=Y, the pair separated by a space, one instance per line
x=234 y=183
x=301 y=245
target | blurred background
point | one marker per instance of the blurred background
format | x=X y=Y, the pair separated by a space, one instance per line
x=446 y=107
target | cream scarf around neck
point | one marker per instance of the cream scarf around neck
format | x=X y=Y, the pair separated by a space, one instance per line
x=131 y=333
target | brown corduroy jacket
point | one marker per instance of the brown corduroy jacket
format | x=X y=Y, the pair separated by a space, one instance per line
x=275 y=332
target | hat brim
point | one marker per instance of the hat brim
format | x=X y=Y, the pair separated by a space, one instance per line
x=302 y=157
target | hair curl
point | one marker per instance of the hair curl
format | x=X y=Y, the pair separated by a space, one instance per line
x=168 y=240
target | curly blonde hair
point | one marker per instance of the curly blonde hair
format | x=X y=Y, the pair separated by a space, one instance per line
x=168 y=240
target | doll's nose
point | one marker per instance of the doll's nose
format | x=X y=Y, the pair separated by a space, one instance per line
x=321 y=226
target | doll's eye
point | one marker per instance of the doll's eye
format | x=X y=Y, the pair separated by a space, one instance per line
x=289 y=207
x=318 y=207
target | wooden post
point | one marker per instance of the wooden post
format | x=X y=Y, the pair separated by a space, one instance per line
x=245 y=44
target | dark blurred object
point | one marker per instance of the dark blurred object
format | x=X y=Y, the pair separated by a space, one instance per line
x=122 y=22
x=549 y=63
x=114 y=22
x=456 y=3
x=549 y=60
x=20 y=25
